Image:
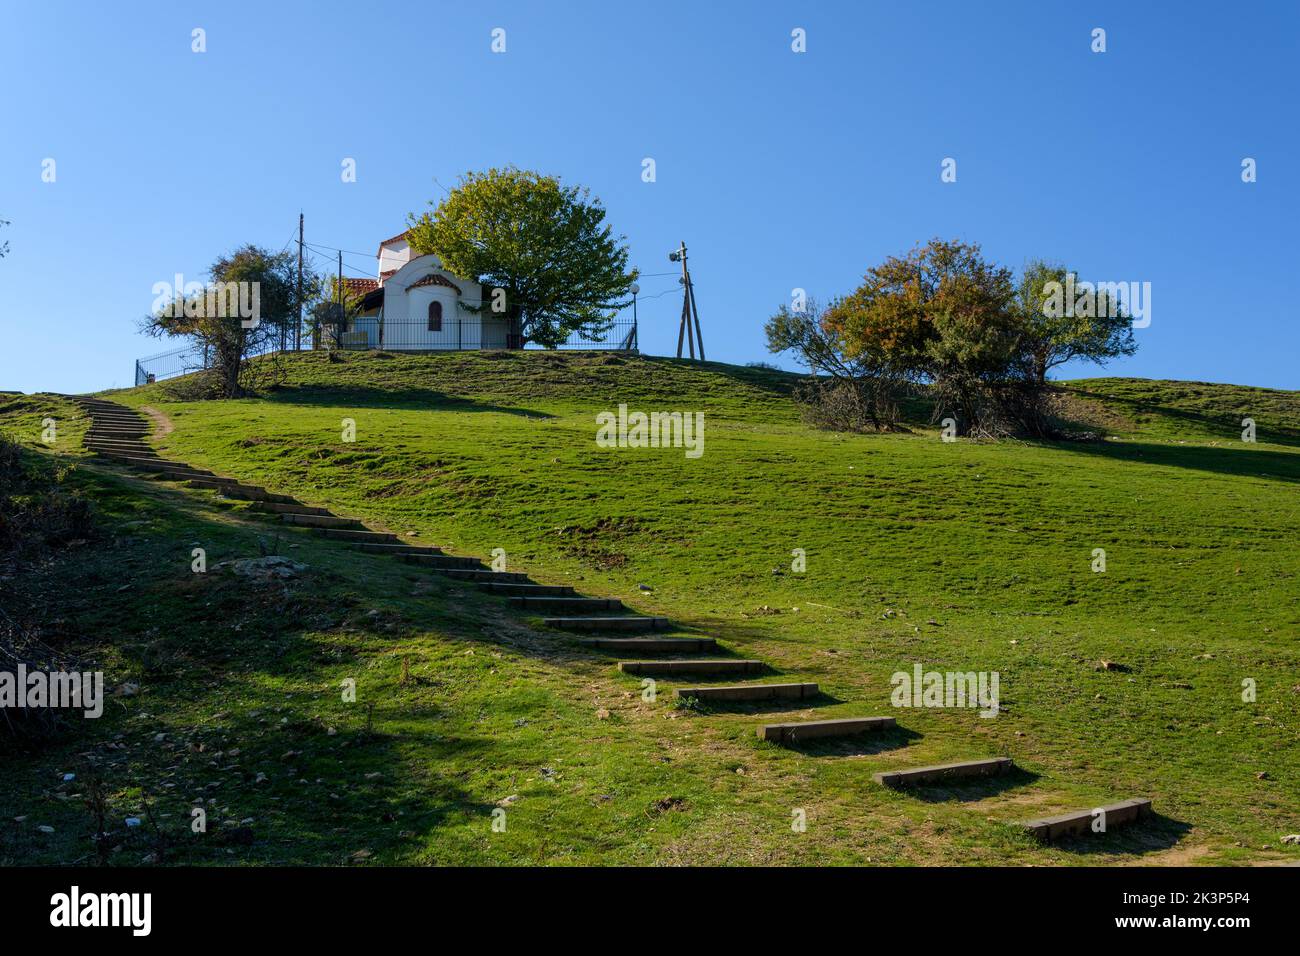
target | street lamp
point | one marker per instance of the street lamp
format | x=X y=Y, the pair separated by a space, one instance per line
x=634 y=289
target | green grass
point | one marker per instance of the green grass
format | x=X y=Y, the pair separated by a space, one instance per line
x=962 y=556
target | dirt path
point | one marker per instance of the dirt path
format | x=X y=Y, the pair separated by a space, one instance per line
x=162 y=424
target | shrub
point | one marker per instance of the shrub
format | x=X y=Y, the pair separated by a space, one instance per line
x=37 y=511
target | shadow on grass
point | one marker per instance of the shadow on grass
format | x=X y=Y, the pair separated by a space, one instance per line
x=971 y=791
x=706 y=679
x=1220 y=427
x=390 y=397
x=1155 y=833
x=858 y=745
x=1243 y=462
x=774 y=381
x=757 y=707
x=330 y=796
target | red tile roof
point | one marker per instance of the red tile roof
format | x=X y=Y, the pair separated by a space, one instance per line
x=400 y=235
x=435 y=279
x=361 y=286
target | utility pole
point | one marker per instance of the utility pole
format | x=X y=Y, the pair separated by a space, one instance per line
x=633 y=339
x=690 y=327
x=297 y=326
x=338 y=332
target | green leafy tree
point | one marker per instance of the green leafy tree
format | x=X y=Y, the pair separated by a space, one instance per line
x=940 y=314
x=1095 y=327
x=544 y=244
x=217 y=320
x=848 y=389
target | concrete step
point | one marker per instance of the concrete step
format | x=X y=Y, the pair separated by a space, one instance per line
x=117 y=431
x=696 y=668
x=626 y=622
x=165 y=471
x=652 y=645
x=137 y=449
x=155 y=464
x=944 y=773
x=129 y=458
x=321 y=521
x=567 y=605
x=482 y=575
x=443 y=562
x=174 y=474
x=527 y=590
x=1078 y=822
x=344 y=534
x=740 y=692
x=271 y=507
x=131 y=442
x=217 y=482
x=804 y=730
x=400 y=550
x=233 y=489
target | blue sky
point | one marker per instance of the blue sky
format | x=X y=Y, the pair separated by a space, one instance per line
x=779 y=170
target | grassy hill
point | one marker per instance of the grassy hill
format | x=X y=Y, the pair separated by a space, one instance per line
x=958 y=556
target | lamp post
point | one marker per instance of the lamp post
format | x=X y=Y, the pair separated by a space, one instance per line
x=634 y=289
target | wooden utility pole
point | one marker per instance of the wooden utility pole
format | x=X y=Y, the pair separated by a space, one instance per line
x=297 y=325
x=690 y=327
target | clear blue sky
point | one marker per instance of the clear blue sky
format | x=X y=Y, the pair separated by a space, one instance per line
x=780 y=170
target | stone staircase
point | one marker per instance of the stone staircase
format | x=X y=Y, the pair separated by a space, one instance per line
x=118 y=435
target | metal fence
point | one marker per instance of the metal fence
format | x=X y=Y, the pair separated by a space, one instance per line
x=622 y=337
x=191 y=358
x=459 y=334
x=153 y=368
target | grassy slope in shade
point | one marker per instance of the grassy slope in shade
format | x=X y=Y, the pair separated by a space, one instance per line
x=963 y=556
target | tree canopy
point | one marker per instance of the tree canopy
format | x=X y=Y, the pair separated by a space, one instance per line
x=546 y=245
x=1055 y=335
x=248 y=307
x=945 y=318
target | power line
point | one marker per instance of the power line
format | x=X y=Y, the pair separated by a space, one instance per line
x=314 y=249
x=288 y=242
x=351 y=252
x=354 y=252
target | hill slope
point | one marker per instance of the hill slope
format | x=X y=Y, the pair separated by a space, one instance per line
x=959 y=557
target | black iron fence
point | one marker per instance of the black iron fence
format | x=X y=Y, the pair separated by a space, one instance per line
x=182 y=361
x=154 y=368
x=458 y=334
x=622 y=337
